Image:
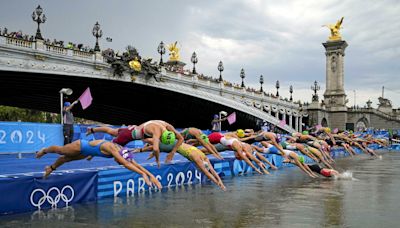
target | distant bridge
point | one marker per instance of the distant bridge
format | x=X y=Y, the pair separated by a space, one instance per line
x=32 y=73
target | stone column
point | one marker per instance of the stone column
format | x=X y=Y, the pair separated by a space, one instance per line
x=296 y=124
x=284 y=116
x=335 y=97
x=290 y=121
x=300 y=123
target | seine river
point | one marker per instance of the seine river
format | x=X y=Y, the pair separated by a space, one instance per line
x=286 y=198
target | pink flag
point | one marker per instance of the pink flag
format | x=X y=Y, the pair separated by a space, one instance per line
x=282 y=123
x=335 y=130
x=86 y=98
x=231 y=118
x=318 y=126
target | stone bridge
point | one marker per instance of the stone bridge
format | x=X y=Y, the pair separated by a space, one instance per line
x=32 y=73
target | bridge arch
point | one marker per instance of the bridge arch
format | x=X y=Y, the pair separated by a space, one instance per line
x=324 y=122
x=362 y=123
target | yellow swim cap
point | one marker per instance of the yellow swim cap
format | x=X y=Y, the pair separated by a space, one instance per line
x=240 y=133
x=327 y=130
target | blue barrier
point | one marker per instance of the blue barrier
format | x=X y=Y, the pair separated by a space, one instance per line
x=28 y=137
x=29 y=193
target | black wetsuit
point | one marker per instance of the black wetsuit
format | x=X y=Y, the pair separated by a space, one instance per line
x=315 y=168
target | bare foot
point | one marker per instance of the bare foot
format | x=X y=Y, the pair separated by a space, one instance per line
x=151 y=155
x=40 y=153
x=47 y=171
x=274 y=167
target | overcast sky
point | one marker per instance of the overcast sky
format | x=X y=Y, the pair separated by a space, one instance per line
x=279 y=39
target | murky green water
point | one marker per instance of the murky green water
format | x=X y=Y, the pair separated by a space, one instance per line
x=287 y=198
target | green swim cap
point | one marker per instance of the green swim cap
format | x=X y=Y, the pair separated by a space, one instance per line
x=204 y=137
x=305 y=132
x=301 y=159
x=168 y=137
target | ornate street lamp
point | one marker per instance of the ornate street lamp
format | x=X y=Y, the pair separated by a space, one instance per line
x=291 y=92
x=315 y=88
x=220 y=69
x=194 y=60
x=261 y=82
x=242 y=75
x=277 y=88
x=161 y=51
x=38 y=18
x=97 y=32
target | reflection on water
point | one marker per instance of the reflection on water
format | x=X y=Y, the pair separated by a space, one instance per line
x=286 y=198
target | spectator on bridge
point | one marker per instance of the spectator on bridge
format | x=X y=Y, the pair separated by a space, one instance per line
x=68 y=117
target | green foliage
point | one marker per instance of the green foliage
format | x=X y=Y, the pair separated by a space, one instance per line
x=27 y=115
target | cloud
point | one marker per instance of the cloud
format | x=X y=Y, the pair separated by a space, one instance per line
x=279 y=39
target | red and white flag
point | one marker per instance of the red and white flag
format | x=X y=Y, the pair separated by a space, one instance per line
x=86 y=98
x=231 y=118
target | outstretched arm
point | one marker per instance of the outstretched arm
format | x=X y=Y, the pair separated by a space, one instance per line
x=71 y=106
x=211 y=148
x=171 y=154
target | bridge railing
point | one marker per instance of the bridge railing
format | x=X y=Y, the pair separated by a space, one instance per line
x=51 y=49
x=56 y=50
x=231 y=89
x=375 y=111
x=18 y=42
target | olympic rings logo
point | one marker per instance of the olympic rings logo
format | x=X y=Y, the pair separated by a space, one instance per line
x=52 y=199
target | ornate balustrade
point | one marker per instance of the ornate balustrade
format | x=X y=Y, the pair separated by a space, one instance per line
x=18 y=42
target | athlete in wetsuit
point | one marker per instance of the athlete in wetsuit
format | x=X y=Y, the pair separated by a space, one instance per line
x=194 y=155
x=323 y=171
x=81 y=149
x=195 y=137
x=122 y=135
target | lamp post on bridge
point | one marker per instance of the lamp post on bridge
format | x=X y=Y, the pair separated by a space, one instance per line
x=261 y=82
x=161 y=51
x=220 y=69
x=242 y=75
x=315 y=88
x=194 y=60
x=98 y=33
x=291 y=92
x=66 y=91
x=38 y=18
x=277 y=86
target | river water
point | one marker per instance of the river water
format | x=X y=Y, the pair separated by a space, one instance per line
x=286 y=198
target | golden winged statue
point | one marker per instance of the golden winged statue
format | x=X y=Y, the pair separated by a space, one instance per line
x=335 y=35
x=173 y=51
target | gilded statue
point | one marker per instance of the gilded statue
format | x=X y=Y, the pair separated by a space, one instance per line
x=335 y=35
x=173 y=52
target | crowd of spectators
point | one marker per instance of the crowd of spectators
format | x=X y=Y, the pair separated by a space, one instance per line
x=16 y=35
x=69 y=45
x=56 y=43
